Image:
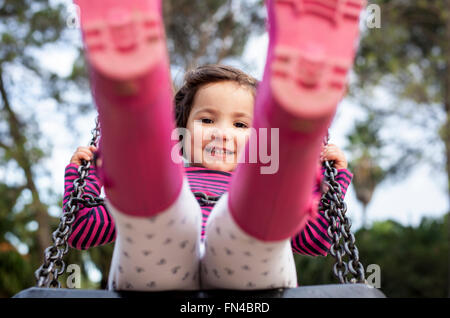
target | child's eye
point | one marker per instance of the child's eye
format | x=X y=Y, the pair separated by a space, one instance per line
x=206 y=120
x=240 y=125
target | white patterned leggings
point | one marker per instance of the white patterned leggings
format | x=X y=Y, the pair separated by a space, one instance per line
x=165 y=252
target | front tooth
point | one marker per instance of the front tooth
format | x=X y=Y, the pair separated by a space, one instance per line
x=219 y=151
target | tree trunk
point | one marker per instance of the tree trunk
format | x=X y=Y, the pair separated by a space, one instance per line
x=22 y=159
x=364 y=217
x=446 y=134
x=167 y=13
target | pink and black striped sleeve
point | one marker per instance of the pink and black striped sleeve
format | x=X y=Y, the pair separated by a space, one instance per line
x=313 y=240
x=92 y=226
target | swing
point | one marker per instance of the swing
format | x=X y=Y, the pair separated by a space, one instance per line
x=333 y=207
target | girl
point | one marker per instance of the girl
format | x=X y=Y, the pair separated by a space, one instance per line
x=247 y=236
x=84 y=235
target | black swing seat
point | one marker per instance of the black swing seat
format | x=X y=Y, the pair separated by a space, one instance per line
x=319 y=291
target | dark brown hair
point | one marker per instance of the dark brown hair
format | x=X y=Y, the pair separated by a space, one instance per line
x=203 y=75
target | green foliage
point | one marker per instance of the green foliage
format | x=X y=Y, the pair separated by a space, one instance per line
x=408 y=60
x=15 y=271
x=8 y=195
x=201 y=32
x=407 y=50
x=101 y=257
x=413 y=260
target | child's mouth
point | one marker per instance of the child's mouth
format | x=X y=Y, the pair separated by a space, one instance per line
x=213 y=151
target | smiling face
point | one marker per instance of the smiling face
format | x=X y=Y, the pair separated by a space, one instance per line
x=219 y=123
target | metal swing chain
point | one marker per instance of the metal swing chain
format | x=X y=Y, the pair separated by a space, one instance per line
x=53 y=265
x=339 y=225
x=206 y=199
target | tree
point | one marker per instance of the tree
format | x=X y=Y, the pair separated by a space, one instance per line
x=412 y=260
x=364 y=146
x=26 y=26
x=409 y=57
x=202 y=32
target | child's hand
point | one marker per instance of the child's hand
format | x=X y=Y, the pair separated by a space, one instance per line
x=331 y=152
x=86 y=153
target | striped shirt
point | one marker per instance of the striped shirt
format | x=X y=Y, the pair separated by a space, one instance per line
x=95 y=226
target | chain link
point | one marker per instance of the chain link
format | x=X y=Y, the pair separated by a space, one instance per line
x=205 y=199
x=335 y=210
x=53 y=266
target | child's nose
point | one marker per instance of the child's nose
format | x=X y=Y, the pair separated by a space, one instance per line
x=220 y=133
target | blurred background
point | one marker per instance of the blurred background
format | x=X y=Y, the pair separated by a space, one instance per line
x=393 y=126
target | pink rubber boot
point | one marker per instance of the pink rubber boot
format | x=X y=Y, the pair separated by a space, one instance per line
x=311 y=49
x=129 y=73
